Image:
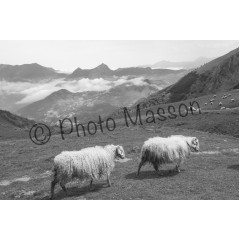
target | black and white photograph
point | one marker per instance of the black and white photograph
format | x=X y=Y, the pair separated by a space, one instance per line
x=119 y=120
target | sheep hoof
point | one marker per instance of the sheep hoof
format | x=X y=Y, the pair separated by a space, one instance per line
x=178 y=170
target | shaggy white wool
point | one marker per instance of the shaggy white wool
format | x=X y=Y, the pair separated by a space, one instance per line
x=94 y=162
x=89 y=163
x=167 y=150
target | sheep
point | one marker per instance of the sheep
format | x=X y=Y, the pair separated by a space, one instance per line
x=220 y=104
x=211 y=103
x=232 y=100
x=224 y=96
x=229 y=95
x=205 y=104
x=212 y=100
x=215 y=96
x=88 y=163
x=174 y=149
x=192 y=108
x=222 y=108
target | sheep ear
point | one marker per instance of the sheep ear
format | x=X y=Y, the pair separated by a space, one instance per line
x=194 y=140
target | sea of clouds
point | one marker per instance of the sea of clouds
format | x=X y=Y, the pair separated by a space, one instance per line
x=32 y=92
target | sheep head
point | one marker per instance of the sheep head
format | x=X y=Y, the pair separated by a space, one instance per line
x=120 y=152
x=193 y=143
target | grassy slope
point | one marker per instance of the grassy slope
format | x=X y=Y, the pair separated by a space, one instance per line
x=219 y=75
x=211 y=120
x=204 y=176
x=13 y=126
x=212 y=174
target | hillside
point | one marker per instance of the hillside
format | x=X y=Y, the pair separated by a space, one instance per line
x=219 y=75
x=13 y=126
x=213 y=173
x=86 y=106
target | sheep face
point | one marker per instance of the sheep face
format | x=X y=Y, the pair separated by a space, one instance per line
x=120 y=152
x=194 y=144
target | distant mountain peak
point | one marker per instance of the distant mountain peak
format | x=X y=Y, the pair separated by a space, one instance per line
x=77 y=70
x=103 y=67
x=27 y=72
x=218 y=75
x=62 y=91
x=179 y=65
x=60 y=94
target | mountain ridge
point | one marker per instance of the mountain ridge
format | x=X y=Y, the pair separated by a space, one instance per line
x=219 y=75
x=12 y=125
x=104 y=71
x=179 y=65
x=86 y=105
x=27 y=72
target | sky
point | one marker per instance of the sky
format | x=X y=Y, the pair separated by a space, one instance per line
x=66 y=56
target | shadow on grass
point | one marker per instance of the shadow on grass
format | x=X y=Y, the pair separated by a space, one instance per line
x=75 y=192
x=152 y=174
x=234 y=167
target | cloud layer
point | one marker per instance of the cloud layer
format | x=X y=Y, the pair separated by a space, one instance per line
x=32 y=92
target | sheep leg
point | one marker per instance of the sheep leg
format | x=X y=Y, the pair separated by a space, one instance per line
x=54 y=182
x=156 y=169
x=178 y=168
x=91 y=182
x=63 y=187
x=139 y=168
x=108 y=181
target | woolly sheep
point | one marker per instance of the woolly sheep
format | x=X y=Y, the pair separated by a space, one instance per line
x=192 y=108
x=215 y=96
x=212 y=100
x=88 y=163
x=224 y=96
x=220 y=104
x=222 y=108
x=205 y=104
x=232 y=100
x=174 y=149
